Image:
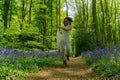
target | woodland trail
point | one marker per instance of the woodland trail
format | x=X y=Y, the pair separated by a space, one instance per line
x=77 y=69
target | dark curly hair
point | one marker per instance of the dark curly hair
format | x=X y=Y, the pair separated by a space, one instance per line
x=69 y=19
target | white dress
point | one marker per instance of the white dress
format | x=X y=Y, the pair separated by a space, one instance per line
x=64 y=38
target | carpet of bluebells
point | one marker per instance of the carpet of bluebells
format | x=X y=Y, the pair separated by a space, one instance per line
x=105 y=62
x=16 y=64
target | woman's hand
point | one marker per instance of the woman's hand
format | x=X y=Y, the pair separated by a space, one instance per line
x=58 y=27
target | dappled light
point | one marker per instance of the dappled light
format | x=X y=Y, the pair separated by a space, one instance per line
x=76 y=70
x=59 y=39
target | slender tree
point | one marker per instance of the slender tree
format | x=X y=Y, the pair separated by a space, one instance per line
x=95 y=22
x=6 y=12
x=30 y=10
x=45 y=24
x=57 y=21
x=103 y=23
x=11 y=12
x=67 y=9
x=59 y=13
x=51 y=15
x=87 y=15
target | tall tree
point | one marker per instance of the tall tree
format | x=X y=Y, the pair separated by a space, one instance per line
x=30 y=10
x=95 y=22
x=57 y=19
x=45 y=24
x=6 y=12
x=87 y=15
x=103 y=23
x=107 y=20
x=78 y=6
x=67 y=9
x=11 y=12
x=51 y=15
x=59 y=13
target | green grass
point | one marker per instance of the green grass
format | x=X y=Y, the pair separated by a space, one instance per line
x=18 y=67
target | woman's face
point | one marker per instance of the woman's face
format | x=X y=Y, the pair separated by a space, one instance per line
x=66 y=22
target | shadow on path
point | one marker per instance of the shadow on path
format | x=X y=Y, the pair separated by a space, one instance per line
x=77 y=70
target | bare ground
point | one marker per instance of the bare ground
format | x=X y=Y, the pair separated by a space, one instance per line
x=77 y=69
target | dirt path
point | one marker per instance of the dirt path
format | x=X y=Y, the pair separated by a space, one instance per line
x=77 y=70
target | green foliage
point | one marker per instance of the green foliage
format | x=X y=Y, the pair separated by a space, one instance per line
x=106 y=68
x=97 y=24
x=28 y=38
x=1 y=33
x=9 y=73
x=29 y=24
x=33 y=45
x=105 y=62
x=83 y=40
x=31 y=38
x=1 y=6
x=10 y=37
x=9 y=70
x=18 y=66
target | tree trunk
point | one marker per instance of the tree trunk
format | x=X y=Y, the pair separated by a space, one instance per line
x=95 y=23
x=5 y=13
x=10 y=13
x=51 y=21
x=87 y=15
x=67 y=9
x=103 y=24
x=83 y=15
x=59 y=14
x=108 y=26
x=22 y=14
x=77 y=2
x=45 y=25
x=115 y=31
x=23 y=7
x=30 y=11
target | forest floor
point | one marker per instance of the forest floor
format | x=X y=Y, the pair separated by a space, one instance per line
x=77 y=69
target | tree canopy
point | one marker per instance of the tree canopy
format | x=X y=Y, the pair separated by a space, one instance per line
x=31 y=24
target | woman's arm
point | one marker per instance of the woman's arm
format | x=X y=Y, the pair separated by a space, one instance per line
x=65 y=28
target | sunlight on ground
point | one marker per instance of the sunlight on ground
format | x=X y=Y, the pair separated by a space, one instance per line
x=76 y=70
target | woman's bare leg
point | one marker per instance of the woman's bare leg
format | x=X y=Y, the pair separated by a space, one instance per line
x=67 y=51
x=63 y=54
x=68 y=54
